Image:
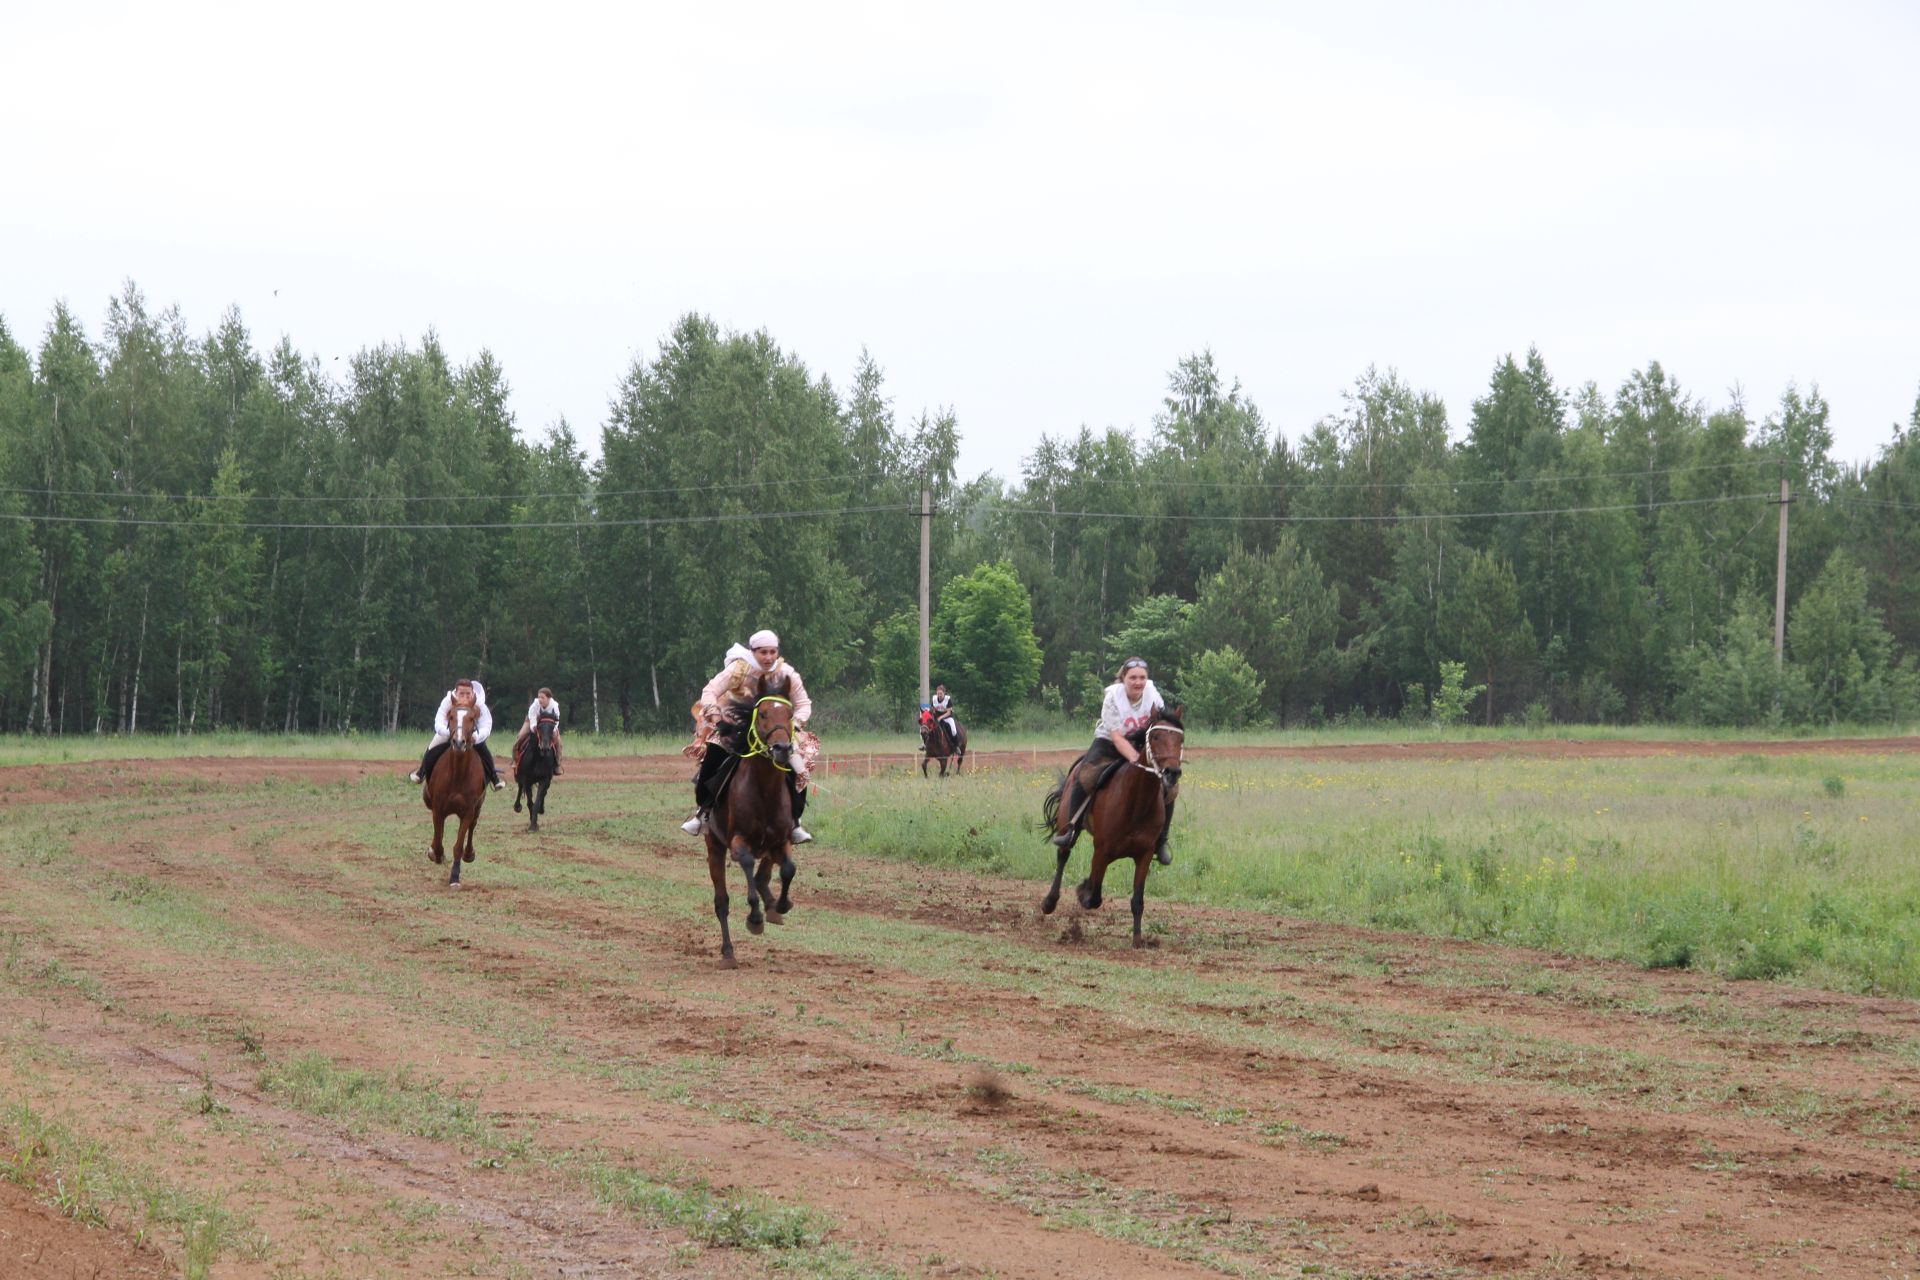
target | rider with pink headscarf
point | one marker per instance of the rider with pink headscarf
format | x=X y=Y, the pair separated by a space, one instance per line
x=715 y=707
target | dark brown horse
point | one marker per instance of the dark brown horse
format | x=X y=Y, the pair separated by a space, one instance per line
x=456 y=789
x=1127 y=814
x=752 y=820
x=937 y=744
x=533 y=770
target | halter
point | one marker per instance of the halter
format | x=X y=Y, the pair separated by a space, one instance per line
x=1152 y=766
x=756 y=745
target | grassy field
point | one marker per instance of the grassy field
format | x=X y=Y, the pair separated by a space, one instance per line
x=1753 y=866
x=234 y=1004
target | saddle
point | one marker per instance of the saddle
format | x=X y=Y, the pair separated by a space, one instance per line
x=1091 y=777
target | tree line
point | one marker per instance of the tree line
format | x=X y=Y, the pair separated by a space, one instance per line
x=198 y=535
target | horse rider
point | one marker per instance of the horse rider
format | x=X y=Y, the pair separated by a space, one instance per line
x=1129 y=704
x=465 y=693
x=943 y=713
x=743 y=667
x=543 y=707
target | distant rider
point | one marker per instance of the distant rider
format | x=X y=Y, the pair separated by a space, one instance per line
x=543 y=707
x=943 y=712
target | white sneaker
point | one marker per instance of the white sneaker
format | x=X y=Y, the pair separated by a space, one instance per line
x=800 y=834
x=414 y=776
x=693 y=826
x=499 y=785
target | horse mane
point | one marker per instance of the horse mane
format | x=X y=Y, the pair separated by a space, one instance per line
x=1161 y=715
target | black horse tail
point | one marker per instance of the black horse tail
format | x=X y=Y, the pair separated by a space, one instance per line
x=1050 y=807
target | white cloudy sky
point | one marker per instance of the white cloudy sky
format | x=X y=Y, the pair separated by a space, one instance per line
x=1026 y=211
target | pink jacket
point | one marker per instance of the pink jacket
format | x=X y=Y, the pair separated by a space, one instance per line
x=741 y=669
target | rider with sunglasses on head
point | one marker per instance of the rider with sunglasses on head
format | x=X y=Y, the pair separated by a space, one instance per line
x=1129 y=704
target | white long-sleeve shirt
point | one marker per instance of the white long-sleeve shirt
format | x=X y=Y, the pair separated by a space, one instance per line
x=533 y=713
x=1119 y=717
x=443 y=730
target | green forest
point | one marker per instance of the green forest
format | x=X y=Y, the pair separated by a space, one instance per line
x=196 y=536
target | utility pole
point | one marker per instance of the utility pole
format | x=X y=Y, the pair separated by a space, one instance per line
x=1780 y=583
x=926 y=567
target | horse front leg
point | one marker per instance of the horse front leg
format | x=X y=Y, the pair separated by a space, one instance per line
x=1089 y=890
x=540 y=805
x=762 y=880
x=787 y=872
x=756 y=922
x=437 y=851
x=1142 y=863
x=717 y=868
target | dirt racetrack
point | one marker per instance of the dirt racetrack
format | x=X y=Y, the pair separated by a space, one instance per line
x=963 y=1087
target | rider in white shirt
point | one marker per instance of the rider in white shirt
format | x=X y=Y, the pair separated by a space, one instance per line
x=466 y=693
x=1128 y=705
x=544 y=706
x=942 y=704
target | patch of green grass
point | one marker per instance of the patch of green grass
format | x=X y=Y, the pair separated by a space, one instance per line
x=91 y=1183
x=395 y=1100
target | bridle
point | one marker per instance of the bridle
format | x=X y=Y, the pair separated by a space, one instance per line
x=758 y=746
x=458 y=724
x=1152 y=765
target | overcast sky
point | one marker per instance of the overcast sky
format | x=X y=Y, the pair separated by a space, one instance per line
x=1027 y=212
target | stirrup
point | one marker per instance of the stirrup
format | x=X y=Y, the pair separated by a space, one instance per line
x=1066 y=838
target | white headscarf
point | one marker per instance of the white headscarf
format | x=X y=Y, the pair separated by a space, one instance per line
x=763 y=639
x=741 y=653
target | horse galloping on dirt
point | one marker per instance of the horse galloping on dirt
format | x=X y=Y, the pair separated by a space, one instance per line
x=533 y=773
x=937 y=744
x=1126 y=816
x=456 y=789
x=752 y=820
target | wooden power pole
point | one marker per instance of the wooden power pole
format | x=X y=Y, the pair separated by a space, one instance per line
x=926 y=566
x=1780 y=583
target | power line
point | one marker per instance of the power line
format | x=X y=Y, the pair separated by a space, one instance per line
x=832 y=512
x=594 y=495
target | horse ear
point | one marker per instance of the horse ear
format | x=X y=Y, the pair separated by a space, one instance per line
x=1178 y=710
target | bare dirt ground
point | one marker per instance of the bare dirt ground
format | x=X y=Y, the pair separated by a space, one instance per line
x=967 y=1089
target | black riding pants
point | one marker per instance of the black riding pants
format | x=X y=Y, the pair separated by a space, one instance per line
x=435 y=752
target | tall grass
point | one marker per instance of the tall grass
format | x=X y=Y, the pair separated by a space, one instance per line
x=1751 y=866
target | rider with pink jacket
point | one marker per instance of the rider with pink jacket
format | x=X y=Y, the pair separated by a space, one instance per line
x=715 y=707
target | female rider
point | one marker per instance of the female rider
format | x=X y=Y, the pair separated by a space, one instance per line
x=943 y=712
x=716 y=705
x=1128 y=706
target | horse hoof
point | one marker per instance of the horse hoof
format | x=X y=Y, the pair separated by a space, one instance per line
x=1048 y=903
x=1087 y=901
x=453 y=884
x=1139 y=943
x=775 y=917
x=756 y=925
x=516 y=806
x=434 y=855
x=728 y=962
x=783 y=906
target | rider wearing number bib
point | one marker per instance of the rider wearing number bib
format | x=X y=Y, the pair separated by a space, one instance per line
x=718 y=706
x=1129 y=704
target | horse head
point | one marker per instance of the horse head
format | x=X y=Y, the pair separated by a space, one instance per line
x=1163 y=743
x=545 y=734
x=771 y=725
x=462 y=724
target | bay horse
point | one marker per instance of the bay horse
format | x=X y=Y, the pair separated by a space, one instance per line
x=752 y=818
x=533 y=773
x=937 y=744
x=456 y=789
x=1126 y=816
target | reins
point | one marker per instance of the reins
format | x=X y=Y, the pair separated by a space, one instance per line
x=756 y=745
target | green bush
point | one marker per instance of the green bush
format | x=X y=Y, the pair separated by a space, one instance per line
x=1222 y=691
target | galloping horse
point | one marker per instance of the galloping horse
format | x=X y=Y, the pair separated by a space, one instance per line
x=1127 y=814
x=534 y=769
x=456 y=788
x=937 y=744
x=752 y=820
